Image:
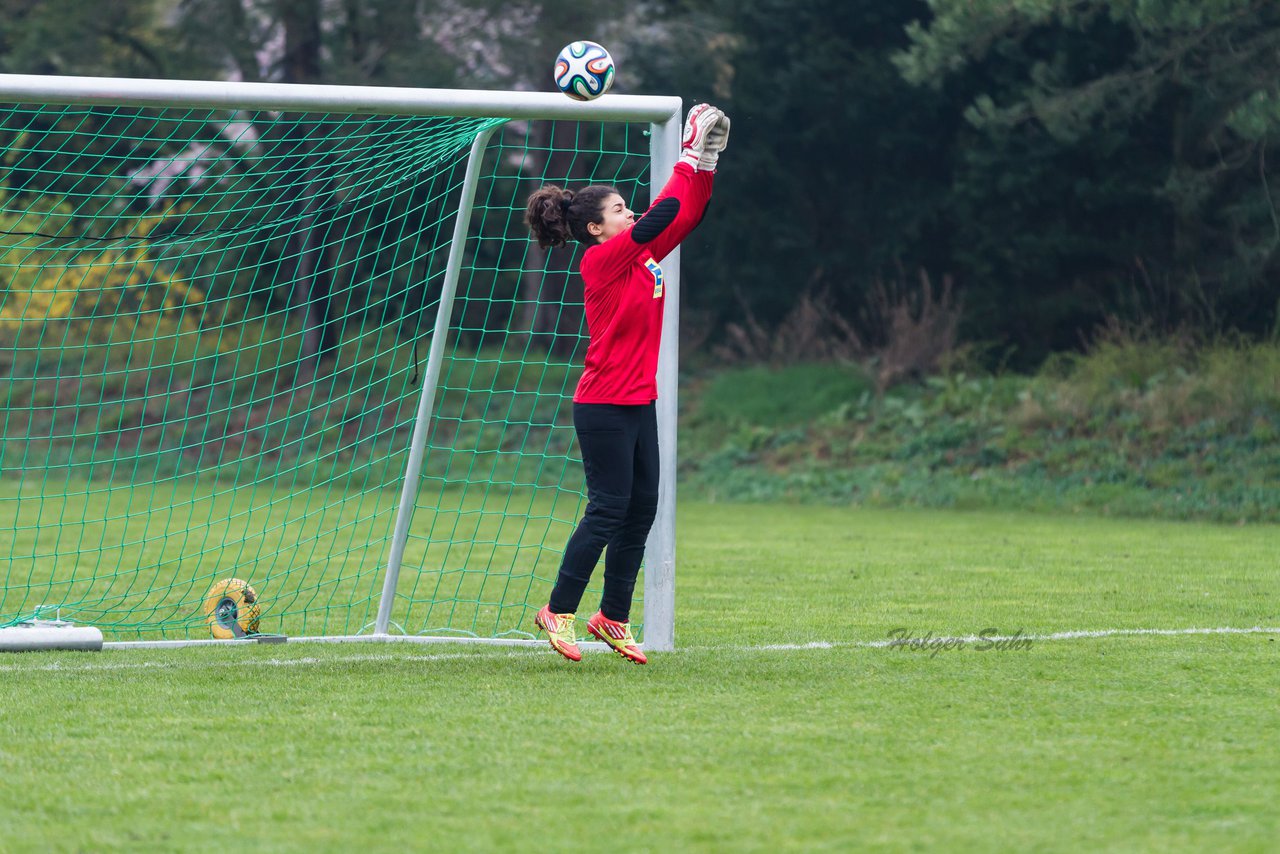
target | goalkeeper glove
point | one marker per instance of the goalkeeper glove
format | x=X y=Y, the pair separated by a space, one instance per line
x=717 y=141
x=701 y=120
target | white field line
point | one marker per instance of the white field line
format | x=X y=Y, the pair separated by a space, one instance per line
x=929 y=641
x=932 y=641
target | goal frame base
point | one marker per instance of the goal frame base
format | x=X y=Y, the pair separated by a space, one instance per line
x=44 y=635
x=411 y=640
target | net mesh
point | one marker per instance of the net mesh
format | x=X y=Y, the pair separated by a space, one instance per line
x=213 y=332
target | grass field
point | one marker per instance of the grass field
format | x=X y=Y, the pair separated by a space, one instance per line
x=784 y=721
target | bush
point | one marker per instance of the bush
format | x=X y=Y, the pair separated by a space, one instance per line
x=1131 y=428
x=56 y=280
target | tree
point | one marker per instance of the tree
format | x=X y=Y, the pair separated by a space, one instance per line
x=478 y=44
x=109 y=37
x=1125 y=147
x=837 y=172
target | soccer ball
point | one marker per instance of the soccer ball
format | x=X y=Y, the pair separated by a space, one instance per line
x=231 y=609
x=584 y=71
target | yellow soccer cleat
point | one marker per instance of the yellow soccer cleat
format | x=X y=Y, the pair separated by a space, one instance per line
x=616 y=635
x=559 y=629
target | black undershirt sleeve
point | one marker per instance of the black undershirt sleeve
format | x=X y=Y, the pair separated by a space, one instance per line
x=655 y=220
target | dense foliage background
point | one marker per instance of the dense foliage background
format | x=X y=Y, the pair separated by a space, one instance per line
x=1001 y=177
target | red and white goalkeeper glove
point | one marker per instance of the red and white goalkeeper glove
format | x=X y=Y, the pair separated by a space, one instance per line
x=717 y=141
x=698 y=127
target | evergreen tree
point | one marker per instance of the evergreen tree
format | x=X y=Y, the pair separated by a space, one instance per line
x=1120 y=161
x=837 y=173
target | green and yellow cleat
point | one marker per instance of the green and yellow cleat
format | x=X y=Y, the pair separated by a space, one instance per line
x=616 y=635
x=559 y=629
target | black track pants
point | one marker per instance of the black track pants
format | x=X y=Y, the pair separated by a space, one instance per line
x=619 y=447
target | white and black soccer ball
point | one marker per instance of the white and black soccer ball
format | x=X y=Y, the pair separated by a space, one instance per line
x=584 y=71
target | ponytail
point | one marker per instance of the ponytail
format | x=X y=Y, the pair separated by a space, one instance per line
x=555 y=215
x=547 y=214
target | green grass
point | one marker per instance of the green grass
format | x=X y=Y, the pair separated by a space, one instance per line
x=777 y=396
x=1120 y=743
x=1132 y=429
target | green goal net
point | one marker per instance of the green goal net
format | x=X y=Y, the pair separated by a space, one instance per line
x=215 y=327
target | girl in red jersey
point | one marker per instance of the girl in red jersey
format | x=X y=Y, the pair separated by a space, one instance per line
x=613 y=408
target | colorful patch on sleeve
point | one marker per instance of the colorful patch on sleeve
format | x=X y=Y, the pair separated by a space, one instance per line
x=653 y=268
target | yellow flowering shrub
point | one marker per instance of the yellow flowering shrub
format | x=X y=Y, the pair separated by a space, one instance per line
x=51 y=279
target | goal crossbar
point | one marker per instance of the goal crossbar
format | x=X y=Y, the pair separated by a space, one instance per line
x=359 y=100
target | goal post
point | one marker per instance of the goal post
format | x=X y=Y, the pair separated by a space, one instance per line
x=213 y=297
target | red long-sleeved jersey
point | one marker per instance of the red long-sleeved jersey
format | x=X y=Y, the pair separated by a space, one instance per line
x=624 y=293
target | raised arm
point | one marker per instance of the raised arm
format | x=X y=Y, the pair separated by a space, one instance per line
x=683 y=200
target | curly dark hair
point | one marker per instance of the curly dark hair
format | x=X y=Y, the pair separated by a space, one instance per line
x=557 y=215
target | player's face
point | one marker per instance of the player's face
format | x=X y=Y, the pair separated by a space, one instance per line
x=615 y=218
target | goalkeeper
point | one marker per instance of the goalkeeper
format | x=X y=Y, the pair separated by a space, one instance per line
x=613 y=408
